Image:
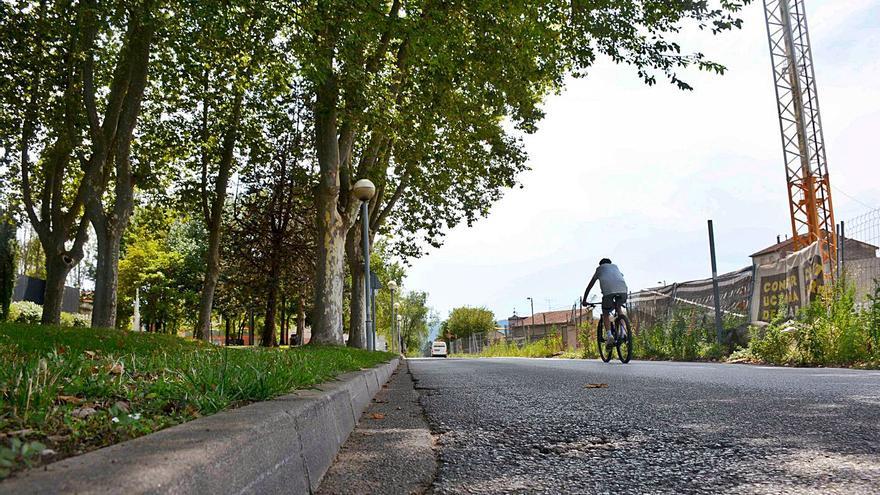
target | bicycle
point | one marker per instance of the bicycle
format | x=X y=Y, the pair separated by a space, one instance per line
x=620 y=329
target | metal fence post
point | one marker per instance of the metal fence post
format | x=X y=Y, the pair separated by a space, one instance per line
x=717 y=295
x=842 y=248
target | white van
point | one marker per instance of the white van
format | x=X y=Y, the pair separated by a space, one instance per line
x=438 y=348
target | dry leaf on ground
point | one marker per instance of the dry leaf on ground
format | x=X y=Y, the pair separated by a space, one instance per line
x=116 y=369
x=377 y=416
x=596 y=385
x=70 y=399
x=84 y=412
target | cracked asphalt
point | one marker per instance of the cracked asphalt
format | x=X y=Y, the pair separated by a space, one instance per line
x=533 y=426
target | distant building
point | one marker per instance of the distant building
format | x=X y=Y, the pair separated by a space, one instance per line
x=852 y=250
x=564 y=322
x=34 y=290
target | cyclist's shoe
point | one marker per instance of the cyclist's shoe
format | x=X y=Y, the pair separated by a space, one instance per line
x=609 y=338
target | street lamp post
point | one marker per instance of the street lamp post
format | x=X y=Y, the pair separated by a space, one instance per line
x=392 y=286
x=530 y=328
x=398 y=320
x=364 y=190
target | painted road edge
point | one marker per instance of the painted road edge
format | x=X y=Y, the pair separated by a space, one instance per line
x=284 y=445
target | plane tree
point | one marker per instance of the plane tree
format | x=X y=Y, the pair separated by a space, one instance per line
x=74 y=77
x=506 y=55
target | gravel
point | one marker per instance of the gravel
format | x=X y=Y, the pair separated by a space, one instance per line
x=533 y=426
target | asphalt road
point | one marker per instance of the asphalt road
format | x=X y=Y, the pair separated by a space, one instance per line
x=533 y=426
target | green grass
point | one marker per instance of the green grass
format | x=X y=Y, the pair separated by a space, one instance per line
x=65 y=391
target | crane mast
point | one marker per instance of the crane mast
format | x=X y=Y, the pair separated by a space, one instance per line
x=803 y=145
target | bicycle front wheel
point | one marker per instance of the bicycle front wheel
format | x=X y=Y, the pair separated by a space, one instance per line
x=624 y=339
x=605 y=352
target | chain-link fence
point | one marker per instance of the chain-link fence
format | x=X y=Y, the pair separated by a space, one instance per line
x=858 y=242
x=652 y=306
x=561 y=324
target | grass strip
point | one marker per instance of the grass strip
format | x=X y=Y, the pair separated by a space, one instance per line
x=65 y=391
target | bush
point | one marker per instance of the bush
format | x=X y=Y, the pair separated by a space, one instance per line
x=74 y=320
x=25 y=312
x=31 y=313
x=773 y=342
x=686 y=336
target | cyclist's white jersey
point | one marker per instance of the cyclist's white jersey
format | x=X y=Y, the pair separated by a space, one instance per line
x=610 y=279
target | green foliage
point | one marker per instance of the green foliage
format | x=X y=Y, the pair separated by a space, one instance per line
x=465 y=321
x=772 y=343
x=163 y=259
x=686 y=336
x=830 y=331
x=34 y=258
x=29 y=313
x=74 y=320
x=548 y=346
x=415 y=318
x=18 y=453
x=51 y=375
x=872 y=318
x=25 y=312
x=587 y=340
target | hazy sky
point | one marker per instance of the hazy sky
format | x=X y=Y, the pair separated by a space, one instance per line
x=632 y=172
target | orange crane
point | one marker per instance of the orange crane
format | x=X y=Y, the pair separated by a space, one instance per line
x=803 y=145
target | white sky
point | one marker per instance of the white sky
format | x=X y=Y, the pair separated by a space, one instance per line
x=633 y=172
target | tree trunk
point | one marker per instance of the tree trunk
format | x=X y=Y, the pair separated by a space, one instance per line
x=228 y=323
x=282 y=322
x=268 y=337
x=56 y=276
x=212 y=274
x=301 y=321
x=253 y=323
x=214 y=222
x=106 y=278
x=327 y=320
x=357 y=333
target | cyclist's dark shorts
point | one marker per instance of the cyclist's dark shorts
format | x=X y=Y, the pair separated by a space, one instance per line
x=608 y=300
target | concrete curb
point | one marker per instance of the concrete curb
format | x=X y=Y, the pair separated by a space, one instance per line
x=283 y=445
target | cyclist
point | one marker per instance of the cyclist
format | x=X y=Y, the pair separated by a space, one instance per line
x=613 y=291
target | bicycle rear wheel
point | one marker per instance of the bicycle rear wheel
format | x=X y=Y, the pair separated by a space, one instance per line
x=624 y=339
x=604 y=352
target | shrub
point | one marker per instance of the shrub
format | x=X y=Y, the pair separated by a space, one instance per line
x=25 y=312
x=773 y=342
x=74 y=320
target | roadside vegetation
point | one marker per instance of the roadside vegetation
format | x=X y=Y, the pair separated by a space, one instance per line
x=685 y=336
x=832 y=331
x=65 y=391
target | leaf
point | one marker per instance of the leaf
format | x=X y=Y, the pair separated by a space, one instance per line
x=123 y=406
x=377 y=416
x=116 y=369
x=596 y=385
x=70 y=399
x=90 y=354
